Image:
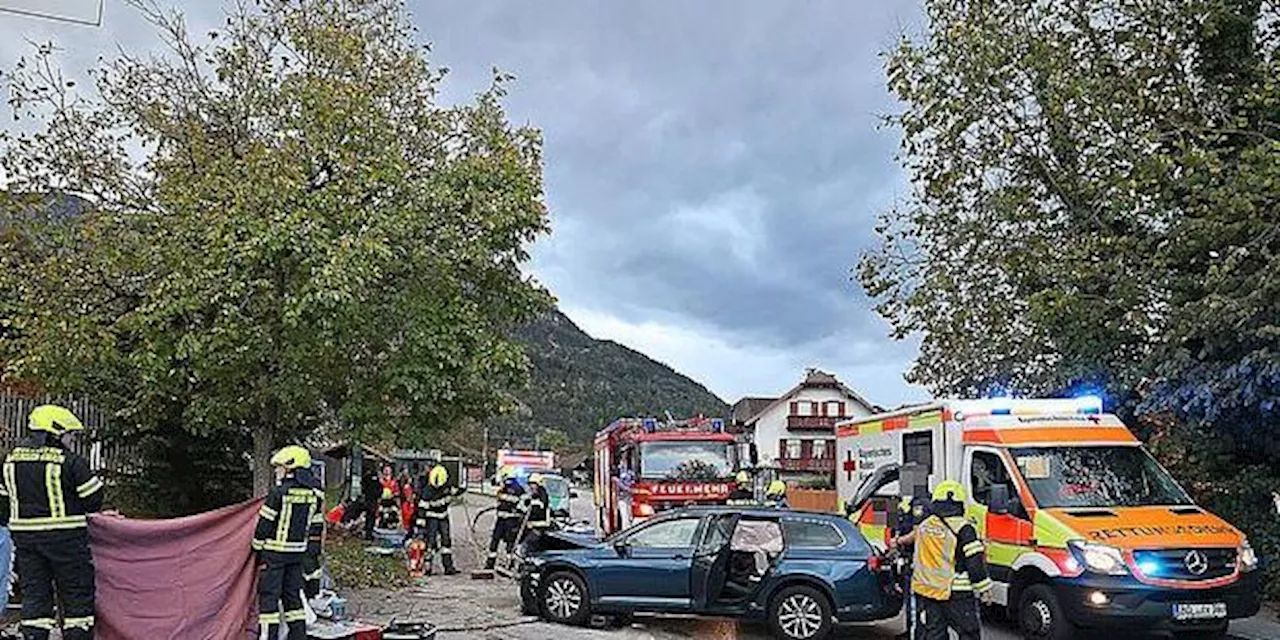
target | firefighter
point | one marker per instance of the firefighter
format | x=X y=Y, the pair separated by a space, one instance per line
x=47 y=494
x=948 y=568
x=289 y=526
x=776 y=495
x=539 y=512
x=432 y=518
x=742 y=495
x=509 y=515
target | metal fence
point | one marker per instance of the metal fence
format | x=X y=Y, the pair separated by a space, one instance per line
x=105 y=456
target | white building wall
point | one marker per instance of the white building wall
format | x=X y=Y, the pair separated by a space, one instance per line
x=772 y=425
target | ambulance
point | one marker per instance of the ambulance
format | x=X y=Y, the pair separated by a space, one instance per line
x=1086 y=534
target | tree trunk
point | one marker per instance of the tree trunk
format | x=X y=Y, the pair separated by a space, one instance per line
x=262 y=474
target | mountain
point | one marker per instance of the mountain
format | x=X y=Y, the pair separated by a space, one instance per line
x=579 y=384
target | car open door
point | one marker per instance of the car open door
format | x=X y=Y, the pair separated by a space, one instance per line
x=883 y=475
x=711 y=559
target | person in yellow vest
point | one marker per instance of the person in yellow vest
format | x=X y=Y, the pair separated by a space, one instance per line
x=949 y=568
x=776 y=495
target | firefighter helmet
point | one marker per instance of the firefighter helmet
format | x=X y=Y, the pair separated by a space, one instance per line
x=292 y=457
x=53 y=419
x=743 y=477
x=535 y=478
x=506 y=472
x=949 y=491
x=777 y=489
x=438 y=476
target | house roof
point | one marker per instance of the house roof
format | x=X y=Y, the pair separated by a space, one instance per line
x=815 y=379
x=748 y=408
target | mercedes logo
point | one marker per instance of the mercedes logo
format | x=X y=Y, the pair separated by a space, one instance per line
x=1197 y=563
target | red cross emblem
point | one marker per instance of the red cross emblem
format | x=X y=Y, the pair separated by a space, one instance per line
x=849 y=465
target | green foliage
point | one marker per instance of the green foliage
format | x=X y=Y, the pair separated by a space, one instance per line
x=281 y=230
x=579 y=384
x=1097 y=185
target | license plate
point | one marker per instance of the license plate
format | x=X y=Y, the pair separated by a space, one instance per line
x=1200 y=611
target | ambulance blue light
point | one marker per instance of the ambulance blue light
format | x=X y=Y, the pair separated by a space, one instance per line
x=650 y=424
x=1089 y=404
x=1149 y=567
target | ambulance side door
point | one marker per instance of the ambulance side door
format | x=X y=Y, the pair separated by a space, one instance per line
x=1006 y=535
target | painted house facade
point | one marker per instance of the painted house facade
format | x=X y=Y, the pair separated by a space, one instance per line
x=795 y=432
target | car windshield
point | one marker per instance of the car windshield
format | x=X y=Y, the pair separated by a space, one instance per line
x=685 y=460
x=1096 y=477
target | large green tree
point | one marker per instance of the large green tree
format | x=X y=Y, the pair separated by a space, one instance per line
x=1097 y=204
x=283 y=229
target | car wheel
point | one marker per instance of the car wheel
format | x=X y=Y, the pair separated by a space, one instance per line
x=1040 y=616
x=564 y=599
x=800 y=613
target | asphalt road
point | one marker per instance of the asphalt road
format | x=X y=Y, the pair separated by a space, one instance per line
x=465 y=608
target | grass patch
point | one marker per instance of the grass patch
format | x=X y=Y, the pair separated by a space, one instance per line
x=353 y=568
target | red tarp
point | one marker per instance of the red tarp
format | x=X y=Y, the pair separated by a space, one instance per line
x=190 y=578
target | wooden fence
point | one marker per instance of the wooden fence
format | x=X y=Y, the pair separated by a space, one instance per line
x=105 y=455
x=813 y=499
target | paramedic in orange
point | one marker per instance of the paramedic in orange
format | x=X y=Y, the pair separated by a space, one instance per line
x=949 y=568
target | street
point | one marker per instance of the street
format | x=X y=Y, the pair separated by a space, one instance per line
x=466 y=608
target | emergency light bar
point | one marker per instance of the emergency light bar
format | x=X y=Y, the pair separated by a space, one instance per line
x=652 y=425
x=1017 y=407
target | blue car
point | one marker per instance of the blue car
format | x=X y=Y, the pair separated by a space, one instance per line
x=801 y=571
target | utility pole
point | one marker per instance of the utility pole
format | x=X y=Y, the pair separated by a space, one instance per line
x=484 y=457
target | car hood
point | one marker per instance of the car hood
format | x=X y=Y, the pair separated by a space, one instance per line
x=565 y=540
x=1149 y=527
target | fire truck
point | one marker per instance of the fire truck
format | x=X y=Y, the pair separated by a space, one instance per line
x=670 y=463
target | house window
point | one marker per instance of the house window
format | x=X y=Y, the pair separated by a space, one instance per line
x=840 y=408
x=813 y=408
x=819 y=449
x=795 y=449
x=795 y=408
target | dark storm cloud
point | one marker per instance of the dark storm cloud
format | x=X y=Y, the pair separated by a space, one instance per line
x=719 y=160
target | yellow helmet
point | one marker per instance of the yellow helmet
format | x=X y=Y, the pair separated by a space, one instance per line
x=438 y=476
x=535 y=478
x=53 y=419
x=506 y=472
x=949 y=491
x=743 y=477
x=386 y=493
x=776 y=488
x=292 y=457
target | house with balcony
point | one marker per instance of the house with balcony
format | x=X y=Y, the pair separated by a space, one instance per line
x=796 y=432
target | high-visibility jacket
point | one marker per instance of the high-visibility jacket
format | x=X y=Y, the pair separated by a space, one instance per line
x=291 y=521
x=539 y=510
x=948 y=558
x=47 y=488
x=511 y=498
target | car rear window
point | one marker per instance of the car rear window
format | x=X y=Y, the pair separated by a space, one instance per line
x=812 y=534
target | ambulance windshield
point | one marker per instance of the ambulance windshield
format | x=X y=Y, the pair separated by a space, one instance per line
x=1105 y=476
x=685 y=460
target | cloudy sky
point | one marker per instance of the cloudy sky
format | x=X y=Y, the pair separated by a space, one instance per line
x=713 y=168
